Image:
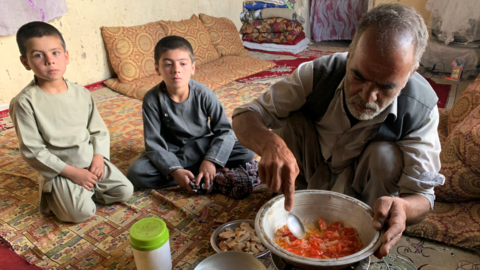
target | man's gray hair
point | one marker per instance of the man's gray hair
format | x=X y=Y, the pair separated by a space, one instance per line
x=391 y=21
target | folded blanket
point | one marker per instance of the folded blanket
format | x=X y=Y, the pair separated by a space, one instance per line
x=279 y=48
x=289 y=14
x=262 y=5
x=271 y=25
x=281 y=38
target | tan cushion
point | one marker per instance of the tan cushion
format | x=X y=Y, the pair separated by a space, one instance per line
x=224 y=36
x=469 y=100
x=452 y=223
x=135 y=89
x=130 y=49
x=229 y=68
x=460 y=158
x=443 y=125
x=194 y=31
x=213 y=75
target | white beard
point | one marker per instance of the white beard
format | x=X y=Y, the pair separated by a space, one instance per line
x=373 y=106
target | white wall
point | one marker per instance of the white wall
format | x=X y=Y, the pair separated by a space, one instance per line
x=81 y=30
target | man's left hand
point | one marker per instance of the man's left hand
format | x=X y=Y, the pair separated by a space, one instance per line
x=98 y=166
x=394 y=214
x=389 y=213
x=207 y=171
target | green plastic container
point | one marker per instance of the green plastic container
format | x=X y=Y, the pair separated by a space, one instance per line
x=148 y=234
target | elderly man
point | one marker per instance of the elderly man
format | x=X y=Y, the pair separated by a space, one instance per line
x=362 y=123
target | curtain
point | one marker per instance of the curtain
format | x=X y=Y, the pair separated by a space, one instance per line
x=335 y=19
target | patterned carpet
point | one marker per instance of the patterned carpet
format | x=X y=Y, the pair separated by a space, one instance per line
x=102 y=242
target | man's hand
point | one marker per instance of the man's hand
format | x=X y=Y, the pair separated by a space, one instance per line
x=278 y=169
x=182 y=177
x=98 y=166
x=83 y=177
x=394 y=213
x=207 y=171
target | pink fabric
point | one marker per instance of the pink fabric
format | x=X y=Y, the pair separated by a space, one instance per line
x=336 y=19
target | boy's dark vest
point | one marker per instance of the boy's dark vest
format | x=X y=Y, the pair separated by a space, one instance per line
x=415 y=102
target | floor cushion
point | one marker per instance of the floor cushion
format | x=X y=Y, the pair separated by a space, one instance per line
x=229 y=68
x=460 y=158
x=213 y=75
x=134 y=89
x=224 y=36
x=469 y=100
x=443 y=125
x=195 y=32
x=130 y=49
x=452 y=223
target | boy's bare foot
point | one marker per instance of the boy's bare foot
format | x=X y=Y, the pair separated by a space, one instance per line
x=223 y=170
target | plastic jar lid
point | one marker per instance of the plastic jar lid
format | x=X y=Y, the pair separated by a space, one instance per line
x=148 y=234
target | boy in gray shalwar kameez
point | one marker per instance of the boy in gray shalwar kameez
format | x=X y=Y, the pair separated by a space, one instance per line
x=187 y=135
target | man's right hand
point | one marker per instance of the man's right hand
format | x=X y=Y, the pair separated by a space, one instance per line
x=183 y=177
x=278 y=169
x=82 y=177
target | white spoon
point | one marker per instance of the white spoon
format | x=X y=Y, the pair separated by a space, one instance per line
x=295 y=225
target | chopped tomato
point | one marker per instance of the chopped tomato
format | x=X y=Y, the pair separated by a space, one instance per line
x=334 y=226
x=349 y=231
x=322 y=224
x=333 y=241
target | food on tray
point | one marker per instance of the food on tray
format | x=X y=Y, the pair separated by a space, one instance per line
x=243 y=239
x=324 y=242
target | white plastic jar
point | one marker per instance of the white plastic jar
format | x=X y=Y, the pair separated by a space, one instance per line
x=151 y=247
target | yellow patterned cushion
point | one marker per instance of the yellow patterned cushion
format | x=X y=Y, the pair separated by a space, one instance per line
x=229 y=68
x=213 y=75
x=194 y=31
x=135 y=89
x=452 y=223
x=469 y=100
x=130 y=49
x=443 y=125
x=224 y=36
x=460 y=158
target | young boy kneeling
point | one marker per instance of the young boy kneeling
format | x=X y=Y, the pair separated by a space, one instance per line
x=181 y=146
x=61 y=133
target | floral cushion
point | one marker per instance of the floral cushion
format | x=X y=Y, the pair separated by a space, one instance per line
x=213 y=75
x=469 y=100
x=455 y=218
x=443 y=125
x=229 y=68
x=194 y=31
x=224 y=36
x=452 y=223
x=130 y=49
x=460 y=158
x=135 y=89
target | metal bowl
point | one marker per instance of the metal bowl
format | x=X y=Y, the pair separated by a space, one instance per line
x=214 y=240
x=231 y=260
x=309 y=205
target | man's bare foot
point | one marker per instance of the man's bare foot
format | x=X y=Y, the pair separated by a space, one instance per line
x=223 y=170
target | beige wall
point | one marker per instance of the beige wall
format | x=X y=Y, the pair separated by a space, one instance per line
x=419 y=5
x=81 y=30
